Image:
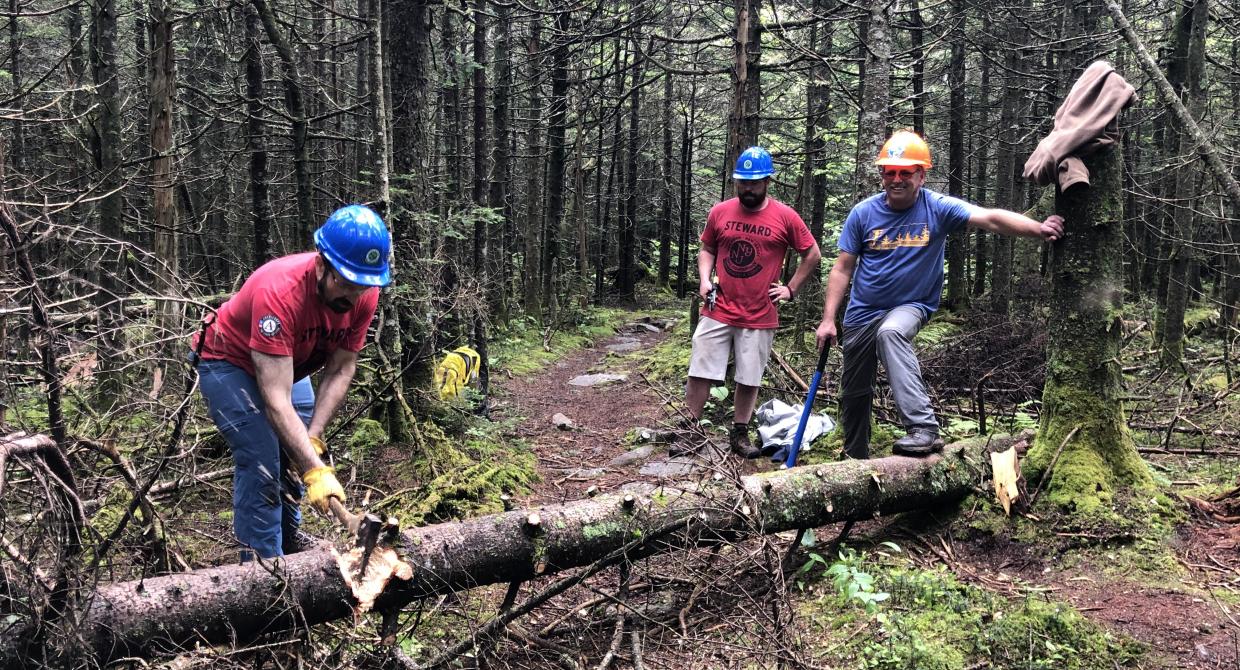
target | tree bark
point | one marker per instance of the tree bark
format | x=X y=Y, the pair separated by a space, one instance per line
x=293 y=101
x=237 y=603
x=1185 y=70
x=556 y=129
x=665 y=209
x=743 y=119
x=531 y=298
x=627 y=274
x=260 y=202
x=1081 y=396
x=163 y=180
x=873 y=120
x=957 y=242
x=108 y=152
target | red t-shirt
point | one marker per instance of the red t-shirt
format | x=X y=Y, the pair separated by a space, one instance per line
x=749 y=252
x=278 y=312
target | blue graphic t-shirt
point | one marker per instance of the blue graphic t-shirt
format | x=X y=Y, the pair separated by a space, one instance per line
x=899 y=253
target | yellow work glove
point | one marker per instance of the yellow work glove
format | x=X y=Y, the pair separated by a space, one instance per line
x=320 y=447
x=321 y=485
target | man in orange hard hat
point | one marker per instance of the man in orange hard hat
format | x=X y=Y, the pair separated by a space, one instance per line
x=891 y=250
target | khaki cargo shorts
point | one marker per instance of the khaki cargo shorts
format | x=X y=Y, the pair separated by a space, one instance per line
x=713 y=342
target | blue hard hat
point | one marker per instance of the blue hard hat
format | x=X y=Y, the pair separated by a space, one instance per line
x=356 y=242
x=753 y=163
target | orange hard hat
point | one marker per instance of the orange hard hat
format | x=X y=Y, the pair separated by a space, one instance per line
x=904 y=147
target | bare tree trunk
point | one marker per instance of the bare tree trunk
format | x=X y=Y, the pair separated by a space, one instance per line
x=111 y=217
x=683 y=282
x=957 y=242
x=746 y=86
x=15 y=75
x=500 y=173
x=873 y=118
x=625 y=280
x=260 y=203
x=982 y=243
x=533 y=211
x=163 y=179
x=1185 y=70
x=917 y=53
x=238 y=603
x=665 y=210
x=558 y=119
x=293 y=101
x=1006 y=191
x=480 y=193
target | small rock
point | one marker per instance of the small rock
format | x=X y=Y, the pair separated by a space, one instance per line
x=597 y=379
x=625 y=346
x=562 y=422
x=643 y=435
x=643 y=326
x=638 y=455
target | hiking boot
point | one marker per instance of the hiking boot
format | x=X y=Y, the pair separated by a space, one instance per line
x=303 y=541
x=918 y=442
x=686 y=437
x=738 y=441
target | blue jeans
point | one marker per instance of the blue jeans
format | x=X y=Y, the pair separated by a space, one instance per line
x=266 y=500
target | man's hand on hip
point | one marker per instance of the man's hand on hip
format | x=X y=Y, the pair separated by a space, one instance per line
x=780 y=293
x=1052 y=228
x=321 y=486
x=825 y=333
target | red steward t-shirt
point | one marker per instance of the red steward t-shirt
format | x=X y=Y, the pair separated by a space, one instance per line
x=278 y=312
x=749 y=256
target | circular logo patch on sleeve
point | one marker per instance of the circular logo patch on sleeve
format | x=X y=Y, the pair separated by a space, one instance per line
x=269 y=325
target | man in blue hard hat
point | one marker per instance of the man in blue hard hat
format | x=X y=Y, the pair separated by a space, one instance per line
x=294 y=316
x=743 y=245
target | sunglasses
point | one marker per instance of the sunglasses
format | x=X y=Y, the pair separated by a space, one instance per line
x=892 y=174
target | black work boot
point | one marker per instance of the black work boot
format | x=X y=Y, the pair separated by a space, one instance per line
x=303 y=541
x=738 y=440
x=688 y=437
x=918 y=442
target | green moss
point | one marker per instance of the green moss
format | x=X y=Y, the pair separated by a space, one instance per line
x=459 y=482
x=931 y=621
x=668 y=362
x=595 y=531
x=1097 y=463
x=367 y=434
x=522 y=347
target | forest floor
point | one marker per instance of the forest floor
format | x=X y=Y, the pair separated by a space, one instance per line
x=1172 y=607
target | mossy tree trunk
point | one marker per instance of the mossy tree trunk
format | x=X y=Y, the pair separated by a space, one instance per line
x=1083 y=377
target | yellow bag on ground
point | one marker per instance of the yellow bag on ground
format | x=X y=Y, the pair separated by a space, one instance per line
x=455 y=371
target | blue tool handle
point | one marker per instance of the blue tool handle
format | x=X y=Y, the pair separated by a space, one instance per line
x=809 y=405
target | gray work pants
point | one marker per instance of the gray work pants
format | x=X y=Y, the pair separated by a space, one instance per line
x=889 y=338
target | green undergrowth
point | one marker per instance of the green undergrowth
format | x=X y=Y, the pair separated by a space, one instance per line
x=459 y=475
x=523 y=346
x=881 y=612
x=1130 y=542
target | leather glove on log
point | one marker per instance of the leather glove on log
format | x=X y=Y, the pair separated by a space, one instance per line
x=321 y=485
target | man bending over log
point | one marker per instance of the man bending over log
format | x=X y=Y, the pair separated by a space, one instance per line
x=293 y=316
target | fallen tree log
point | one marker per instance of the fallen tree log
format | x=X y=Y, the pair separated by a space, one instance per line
x=239 y=603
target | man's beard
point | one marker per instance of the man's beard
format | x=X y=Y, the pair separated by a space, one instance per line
x=752 y=200
x=339 y=305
